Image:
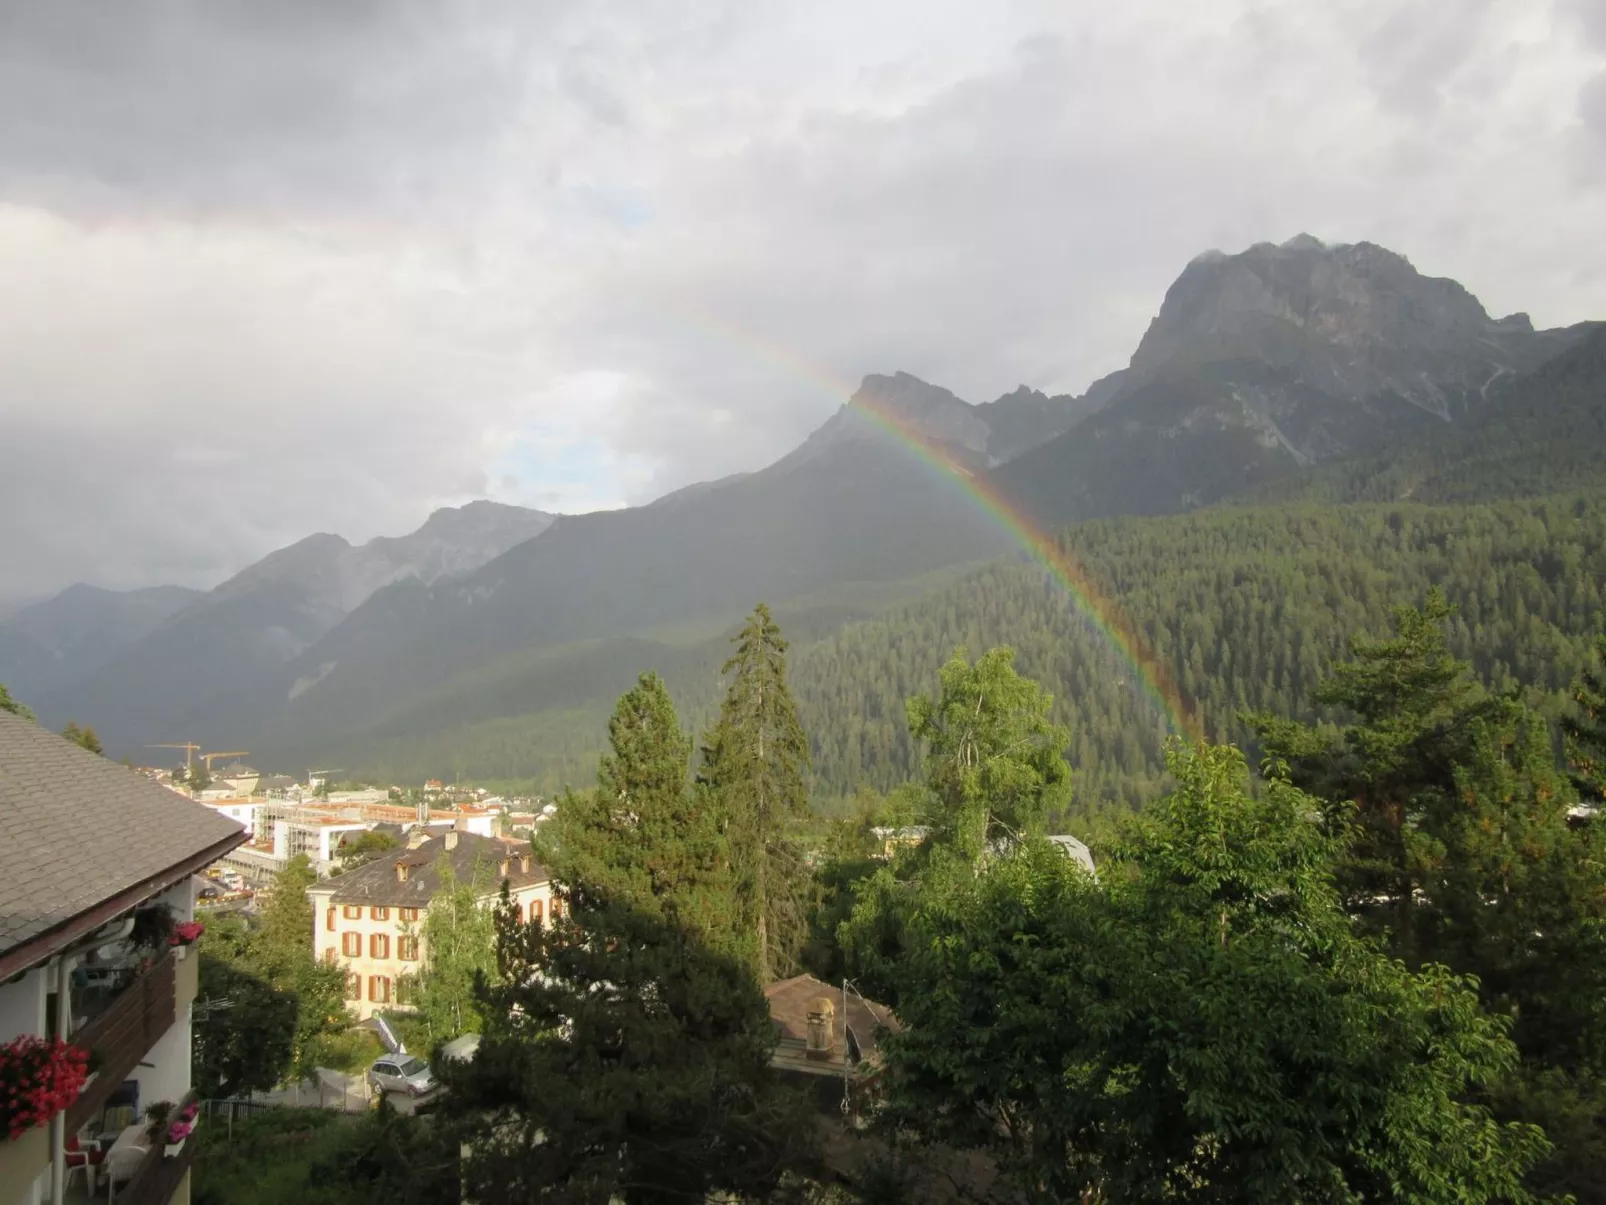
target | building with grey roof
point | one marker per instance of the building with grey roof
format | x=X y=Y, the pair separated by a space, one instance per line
x=96 y=872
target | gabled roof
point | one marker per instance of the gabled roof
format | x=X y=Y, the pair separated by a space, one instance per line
x=790 y=1001
x=80 y=835
x=376 y=882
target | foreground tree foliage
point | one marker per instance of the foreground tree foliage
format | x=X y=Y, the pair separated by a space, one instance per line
x=625 y=1059
x=13 y=706
x=995 y=773
x=1200 y=1023
x=755 y=774
x=245 y=1028
x=280 y=953
x=85 y=737
x=1585 y=728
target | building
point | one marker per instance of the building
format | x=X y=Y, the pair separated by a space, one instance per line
x=95 y=868
x=240 y=810
x=371 y=920
x=824 y=1030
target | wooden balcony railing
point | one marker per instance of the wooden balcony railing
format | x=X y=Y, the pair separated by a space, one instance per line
x=125 y=1033
x=159 y=1174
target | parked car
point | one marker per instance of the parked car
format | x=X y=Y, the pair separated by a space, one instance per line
x=401 y=1073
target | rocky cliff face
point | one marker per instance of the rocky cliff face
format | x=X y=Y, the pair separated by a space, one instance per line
x=1355 y=323
x=1275 y=358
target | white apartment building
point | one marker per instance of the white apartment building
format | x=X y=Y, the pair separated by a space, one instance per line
x=371 y=920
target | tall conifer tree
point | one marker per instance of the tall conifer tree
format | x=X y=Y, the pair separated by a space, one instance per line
x=755 y=773
x=641 y=839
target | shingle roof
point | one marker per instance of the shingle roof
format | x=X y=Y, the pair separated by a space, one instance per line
x=791 y=999
x=376 y=881
x=77 y=830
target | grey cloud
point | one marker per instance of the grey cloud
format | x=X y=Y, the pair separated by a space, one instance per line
x=326 y=265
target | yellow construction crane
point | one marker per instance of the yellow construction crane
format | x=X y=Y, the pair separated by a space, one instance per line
x=189 y=749
x=207 y=757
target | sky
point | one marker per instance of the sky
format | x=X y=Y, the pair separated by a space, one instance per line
x=268 y=269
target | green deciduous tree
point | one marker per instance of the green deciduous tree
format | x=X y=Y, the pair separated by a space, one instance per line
x=623 y=1059
x=995 y=773
x=7 y=703
x=245 y=1028
x=755 y=774
x=1200 y=1023
x=995 y=761
x=459 y=943
x=643 y=837
x=281 y=954
x=85 y=737
x=365 y=849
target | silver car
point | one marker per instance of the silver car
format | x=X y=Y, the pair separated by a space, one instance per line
x=401 y=1073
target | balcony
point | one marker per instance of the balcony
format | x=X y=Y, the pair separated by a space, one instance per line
x=132 y=1022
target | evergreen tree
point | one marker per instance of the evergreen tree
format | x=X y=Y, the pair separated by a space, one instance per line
x=623 y=1059
x=755 y=772
x=1585 y=730
x=200 y=776
x=1411 y=702
x=643 y=838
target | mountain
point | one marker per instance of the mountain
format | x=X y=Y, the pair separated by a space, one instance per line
x=240 y=632
x=850 y=505
x=1545 y=434
x=1269 y=360
x=1026 y=417
x=64 y=639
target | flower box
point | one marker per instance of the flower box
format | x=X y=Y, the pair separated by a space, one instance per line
x=172 y=1149
x=39 y=1077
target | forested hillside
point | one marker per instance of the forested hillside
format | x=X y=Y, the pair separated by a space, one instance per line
x=1544 y=435
x=1248 y=606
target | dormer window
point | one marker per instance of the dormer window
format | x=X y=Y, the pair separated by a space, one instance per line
x=506 y=866
x=401 y=872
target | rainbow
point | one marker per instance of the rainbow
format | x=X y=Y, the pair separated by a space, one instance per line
x=1097 y=610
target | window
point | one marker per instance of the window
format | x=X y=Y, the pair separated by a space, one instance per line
x=557 y=907
x=407 y=949
x=409 y=914
x=352 y=912
x=354 y=987
x=329 y=954
x=329 y=919
x=518 y=912
x=351 y=945
x=379 y=989
x=378 y=945
x=379 y=913
x=535 y=912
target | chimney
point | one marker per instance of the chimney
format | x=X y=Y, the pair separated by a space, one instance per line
x=451 y=840
x=416 y=836
x=822 y=1029
x=421 y=812
x=524 y=863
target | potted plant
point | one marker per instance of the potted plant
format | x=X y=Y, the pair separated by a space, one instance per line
x=180 y=1128
x=39 y=1077
x=185 y=935
x=153 y=925
x=156 y=1115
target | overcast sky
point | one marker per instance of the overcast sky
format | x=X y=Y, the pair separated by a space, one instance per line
x=283 y=266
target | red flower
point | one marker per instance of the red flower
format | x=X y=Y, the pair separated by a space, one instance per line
x=39 y=1077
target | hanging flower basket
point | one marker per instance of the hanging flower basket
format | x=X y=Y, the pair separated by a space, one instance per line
x=184 y=936
x=180 y=1129
x=39 y=1077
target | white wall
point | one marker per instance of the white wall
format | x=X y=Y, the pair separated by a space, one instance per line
x=22 y=1006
